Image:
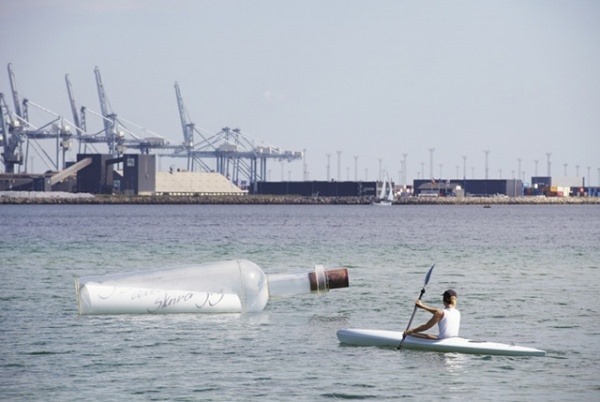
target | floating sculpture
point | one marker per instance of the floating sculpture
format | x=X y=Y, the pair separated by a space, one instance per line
x=234 y=286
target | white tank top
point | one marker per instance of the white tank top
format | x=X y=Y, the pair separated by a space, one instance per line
x=449 y=324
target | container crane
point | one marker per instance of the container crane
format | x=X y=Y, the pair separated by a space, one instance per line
x=15 y=93
x=12 y=135
x=78 y=119
x=114 y=128
x=11 y=138
x=79 y=124
x=22 y=130
x=114 y=138
x=188 y=128
x=83 y=137
x=236 y=155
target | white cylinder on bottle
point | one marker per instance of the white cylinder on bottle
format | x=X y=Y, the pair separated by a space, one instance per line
x=219 y=287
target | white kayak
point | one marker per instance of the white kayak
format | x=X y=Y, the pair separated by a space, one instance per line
x=373 y=337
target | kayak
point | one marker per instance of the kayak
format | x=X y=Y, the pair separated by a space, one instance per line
x=373 y=337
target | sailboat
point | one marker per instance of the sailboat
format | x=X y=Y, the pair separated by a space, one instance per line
x=386 y=195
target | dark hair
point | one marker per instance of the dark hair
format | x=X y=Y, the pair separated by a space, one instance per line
x=448 y=295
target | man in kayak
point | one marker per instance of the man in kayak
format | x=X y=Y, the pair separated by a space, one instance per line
x=448 y=319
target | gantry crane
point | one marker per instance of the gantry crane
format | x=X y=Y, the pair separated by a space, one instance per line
x=17 y=129
x=84 y=138
x=236 y=154
x=12 y=140
x=114 y=138
x=114 y=129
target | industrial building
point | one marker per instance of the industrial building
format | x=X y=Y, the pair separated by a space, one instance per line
x=318 y=188
x=561 y=187
x=138 y=176
x=468 y=187
x=130 y=174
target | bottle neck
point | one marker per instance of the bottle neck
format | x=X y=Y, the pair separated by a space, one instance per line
x=319 y=281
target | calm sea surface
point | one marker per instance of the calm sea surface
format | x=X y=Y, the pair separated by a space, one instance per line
x=524 y=274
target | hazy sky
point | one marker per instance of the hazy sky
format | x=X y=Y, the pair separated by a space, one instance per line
x=373 y=79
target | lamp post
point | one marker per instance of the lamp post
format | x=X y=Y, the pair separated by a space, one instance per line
x=431 y=162
x=404 y=169
x=304 y=166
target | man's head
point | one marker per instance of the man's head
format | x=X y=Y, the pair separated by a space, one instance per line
x=448 y=295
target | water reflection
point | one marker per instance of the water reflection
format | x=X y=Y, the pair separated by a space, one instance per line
x=454 y=362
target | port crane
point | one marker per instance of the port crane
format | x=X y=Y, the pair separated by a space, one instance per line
x=17 y=129
x=230 y=152
x=11 y=138
x=19 y=135
x=79 y=119
x=115 y=128
x=114 y=133
x=236 y=154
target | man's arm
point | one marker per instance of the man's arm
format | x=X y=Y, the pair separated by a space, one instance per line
x=437 y=316
x=424 y=306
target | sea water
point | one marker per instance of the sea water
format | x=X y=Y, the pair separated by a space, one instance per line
x=524 y=274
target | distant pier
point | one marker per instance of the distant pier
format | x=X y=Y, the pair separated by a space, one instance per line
x=26 y=198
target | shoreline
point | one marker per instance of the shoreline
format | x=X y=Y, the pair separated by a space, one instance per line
x=36 y=198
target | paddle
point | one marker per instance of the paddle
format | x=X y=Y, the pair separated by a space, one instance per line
x=415 y=309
